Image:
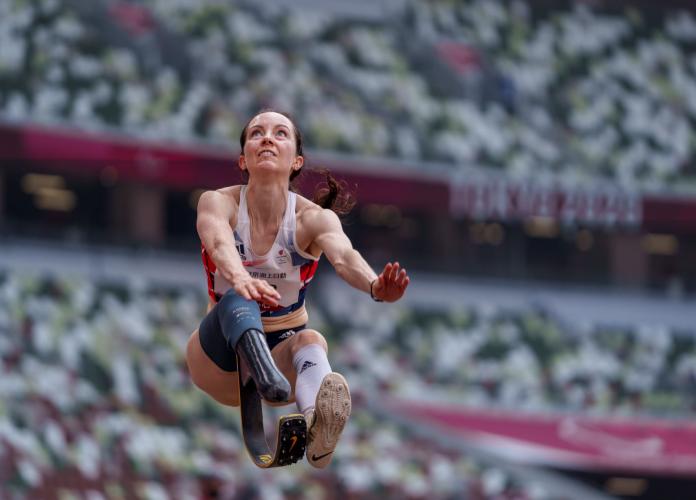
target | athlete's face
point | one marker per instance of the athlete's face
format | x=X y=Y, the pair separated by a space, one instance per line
x=270 y=146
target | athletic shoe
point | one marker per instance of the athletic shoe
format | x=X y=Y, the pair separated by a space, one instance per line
x=330 y=415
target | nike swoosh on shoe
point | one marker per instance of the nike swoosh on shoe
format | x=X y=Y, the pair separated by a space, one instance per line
x=315 y=458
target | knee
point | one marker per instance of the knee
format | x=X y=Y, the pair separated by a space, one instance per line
x=307 y=337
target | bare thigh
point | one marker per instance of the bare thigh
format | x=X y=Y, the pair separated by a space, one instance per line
x=223 y=386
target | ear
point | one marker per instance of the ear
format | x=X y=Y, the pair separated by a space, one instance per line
x=297 y=164
x=242 y=163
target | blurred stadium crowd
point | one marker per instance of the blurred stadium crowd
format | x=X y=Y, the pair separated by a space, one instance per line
x=574 y=90
x=96 y=402
x=96 y=399
x=517 y=359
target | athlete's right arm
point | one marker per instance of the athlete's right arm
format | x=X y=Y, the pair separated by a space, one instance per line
x=215 y=210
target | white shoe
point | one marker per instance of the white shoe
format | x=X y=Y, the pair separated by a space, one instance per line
x=331 y=412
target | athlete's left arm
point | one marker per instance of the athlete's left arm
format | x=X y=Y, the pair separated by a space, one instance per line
x=327 y=231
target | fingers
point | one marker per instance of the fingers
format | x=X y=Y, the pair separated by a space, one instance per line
x=392 y=282
x=394 y=273
x=269 y=299
x=389 y=271
x=402 y=279
x=267 y=293
x=259 y=291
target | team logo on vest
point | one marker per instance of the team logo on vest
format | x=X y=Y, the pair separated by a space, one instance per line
x=282 y=257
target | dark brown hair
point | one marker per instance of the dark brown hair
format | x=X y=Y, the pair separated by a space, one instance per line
x=331 y=193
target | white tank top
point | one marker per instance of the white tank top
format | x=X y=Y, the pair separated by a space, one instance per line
x=285 y=267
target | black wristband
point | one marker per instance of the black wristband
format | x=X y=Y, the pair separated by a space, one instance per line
x=371 y=294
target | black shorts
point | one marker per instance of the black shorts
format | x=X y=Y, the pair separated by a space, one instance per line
x=215 y=347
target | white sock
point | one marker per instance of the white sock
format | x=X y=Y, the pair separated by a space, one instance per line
x=312 y=366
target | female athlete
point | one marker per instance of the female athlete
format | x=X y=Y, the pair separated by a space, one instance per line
x=261 y=243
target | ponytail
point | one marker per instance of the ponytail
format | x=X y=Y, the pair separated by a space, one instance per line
x=333 y=194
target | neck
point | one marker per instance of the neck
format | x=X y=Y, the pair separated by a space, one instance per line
x=266 y=202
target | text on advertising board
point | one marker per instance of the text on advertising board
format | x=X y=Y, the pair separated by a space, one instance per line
x=514 y=201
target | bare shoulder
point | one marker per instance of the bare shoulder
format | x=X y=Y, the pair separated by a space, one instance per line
x=224 y=201
x=312 y=217
x=231 y=193
x=224 y=198
x=305 y=207
x=313 y=221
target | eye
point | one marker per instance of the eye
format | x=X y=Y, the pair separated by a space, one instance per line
x=255 y=133
x=282 y=133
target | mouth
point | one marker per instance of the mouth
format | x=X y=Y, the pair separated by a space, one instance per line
x=266 y=153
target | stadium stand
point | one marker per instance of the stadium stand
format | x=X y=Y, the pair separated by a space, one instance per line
x=517 y=358
x=97 y=365
x=620 y=82
x=95 y=400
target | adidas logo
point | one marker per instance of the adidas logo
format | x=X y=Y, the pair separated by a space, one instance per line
x=287 y=335
x=307 y=364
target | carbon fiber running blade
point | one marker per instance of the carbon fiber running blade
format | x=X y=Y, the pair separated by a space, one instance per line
x=291 y=435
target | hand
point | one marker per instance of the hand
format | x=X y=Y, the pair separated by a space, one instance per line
x=391 y=284
x=256 y=289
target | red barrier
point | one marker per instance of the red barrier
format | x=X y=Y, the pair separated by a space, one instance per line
x=194 y=166
x=569 y=441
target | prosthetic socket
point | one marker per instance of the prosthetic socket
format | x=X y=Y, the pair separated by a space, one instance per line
x=256 y=362
x=239 y=320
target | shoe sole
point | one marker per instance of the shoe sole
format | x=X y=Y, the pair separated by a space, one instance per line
x=333 y=407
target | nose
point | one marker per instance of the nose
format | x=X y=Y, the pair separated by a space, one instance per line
x=267 y=138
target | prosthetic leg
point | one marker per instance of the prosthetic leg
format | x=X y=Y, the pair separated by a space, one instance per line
x=259 y=377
